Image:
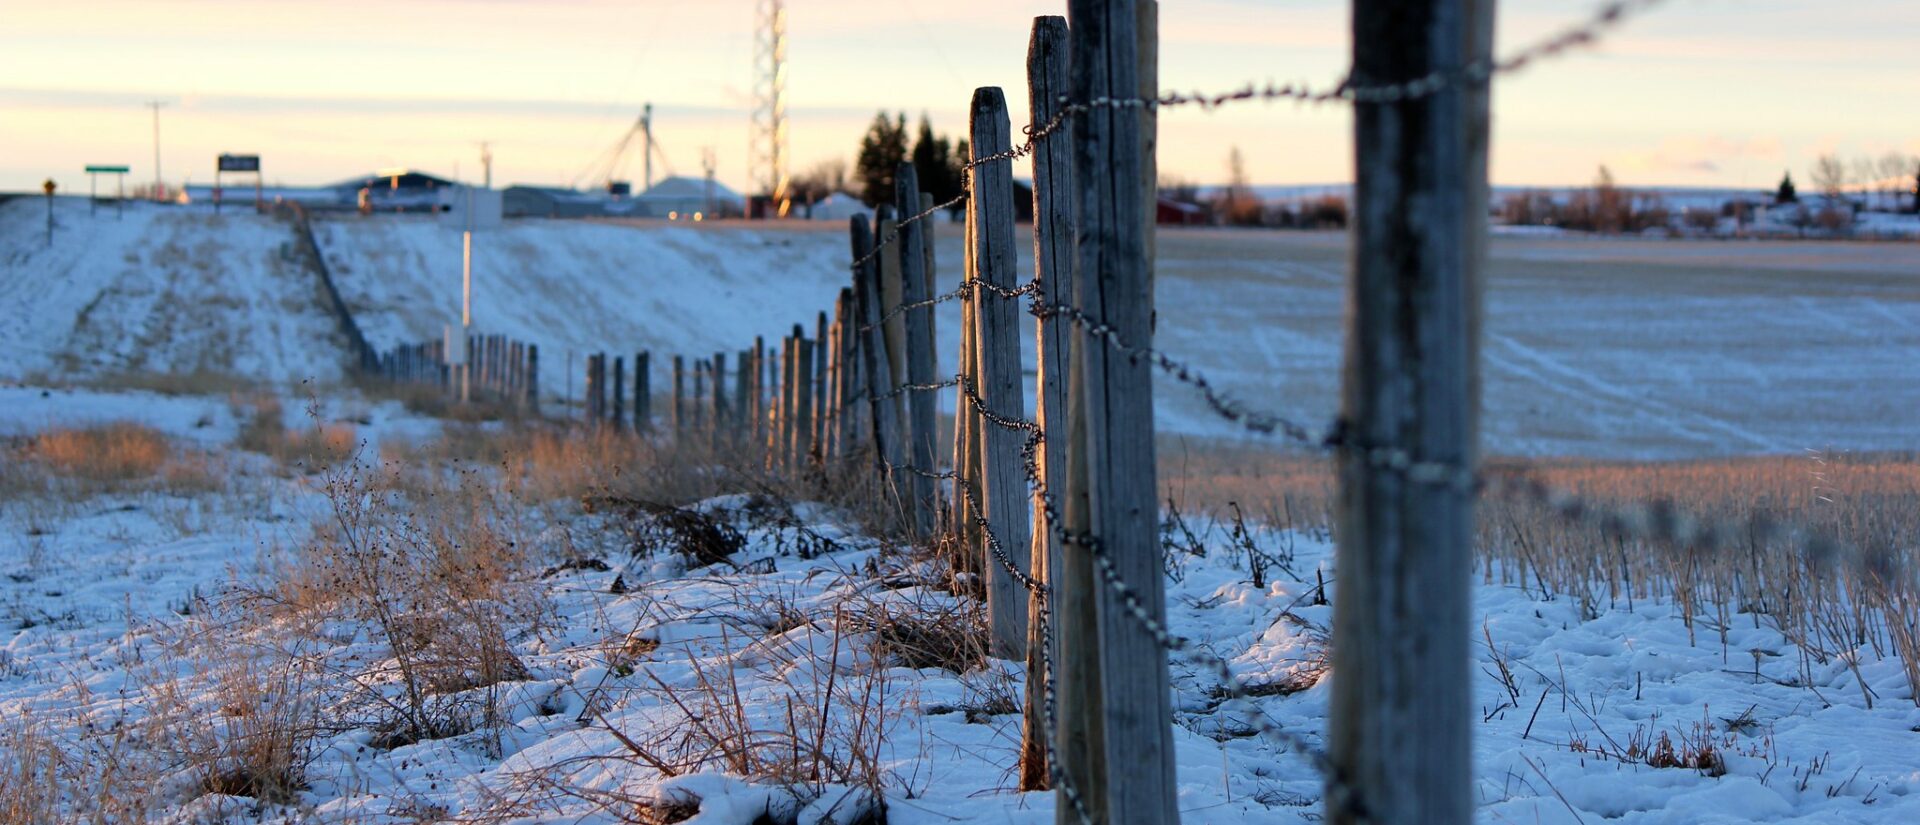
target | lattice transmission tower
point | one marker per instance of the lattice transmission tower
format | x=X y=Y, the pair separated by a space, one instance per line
x=767 y=152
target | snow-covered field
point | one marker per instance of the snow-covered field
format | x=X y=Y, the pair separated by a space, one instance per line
x=1616 y=348
x=160 y=290
x=121 y=640
x=145 y=629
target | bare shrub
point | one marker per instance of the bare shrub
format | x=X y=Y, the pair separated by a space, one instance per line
x=30 y=774
x=239 y=722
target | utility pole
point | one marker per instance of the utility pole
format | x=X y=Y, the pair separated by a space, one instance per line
x=159 y=182
x=646 y=128
x=486 y=167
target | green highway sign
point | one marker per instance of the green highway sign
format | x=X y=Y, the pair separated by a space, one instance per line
x=101 y=167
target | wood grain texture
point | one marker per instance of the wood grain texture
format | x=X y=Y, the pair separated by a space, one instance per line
x=1116 y=400
x=1400 y=731
x=922 y=369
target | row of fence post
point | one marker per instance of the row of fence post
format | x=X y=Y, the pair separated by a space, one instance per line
x=492 y=368
x=1090 y=619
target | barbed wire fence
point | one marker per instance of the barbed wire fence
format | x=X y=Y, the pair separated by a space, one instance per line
x=1056 y=592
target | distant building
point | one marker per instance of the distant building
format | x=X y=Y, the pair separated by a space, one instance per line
x=388 y=190
x=1170 y=212
x=553 y=202
x=838 y=206
x=683 y=197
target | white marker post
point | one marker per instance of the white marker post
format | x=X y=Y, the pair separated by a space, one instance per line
x=466 y=312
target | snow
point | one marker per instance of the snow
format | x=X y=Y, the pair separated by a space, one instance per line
x=88 y=611
x=1612 y=349
x=158 y=290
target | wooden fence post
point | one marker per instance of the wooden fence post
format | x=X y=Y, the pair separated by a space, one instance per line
x=848 y=415
x=643 y=392
x=887 y=445
x=892 y=294
x=1113 y=401
x=920 y=356
x=1069 y=578
x=533 y=378
x=829 y=402
x=722 y=420
x=971 y=549
x=803 y=402
x=997 y=380
x=1399 y=731
x=743 y=398
x=789 y=400
x=819 y=384
x=619 y=417
x=679 y=396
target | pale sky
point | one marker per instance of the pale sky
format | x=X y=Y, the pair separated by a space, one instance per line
x=1697 y=92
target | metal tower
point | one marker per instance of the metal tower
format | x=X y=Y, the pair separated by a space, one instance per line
x=768 y=141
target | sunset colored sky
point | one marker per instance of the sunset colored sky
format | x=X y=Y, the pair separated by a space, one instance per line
x=1697 y=92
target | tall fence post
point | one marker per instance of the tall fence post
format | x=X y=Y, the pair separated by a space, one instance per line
x=643 y=392
x=533 y=378
x=803 y=402
x=1069 y=579
x=1399 y=732
x=996 y=382
x=722 y=420
x=1112 y=401
x=743 y=375
x=968 y=539
x=619 y=417
x=920 y=356
x=887 y=445
x=679 y=396
x=789 y=400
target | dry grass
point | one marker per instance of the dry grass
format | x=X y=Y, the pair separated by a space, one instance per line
x=75 y=463
x=308 y=449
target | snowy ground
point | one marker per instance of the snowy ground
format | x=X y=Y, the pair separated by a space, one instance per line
x=1597 y=348
x=91 y=629
x=157 y=290
x=1615 y=348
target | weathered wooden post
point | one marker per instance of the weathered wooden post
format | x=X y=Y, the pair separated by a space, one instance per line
x=1070 y=580
x=966 y=432
x=997 y=382
x=1111 y=401
x=847 y=416
x=892 y=295
x=804 y=387
x=757 y=399
x=888 y=448
x=722 y=421
x=1399 y=730
x=920 y=356
x=789 y=398
x=643 y=391
x=742 y=415
x=619 y=417
x=680 y=420
x=533 y=378
x=819 y=412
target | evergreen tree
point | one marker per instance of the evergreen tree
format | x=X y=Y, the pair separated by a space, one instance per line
x=933 y=162
x=882 y=151
x=1786 y=193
